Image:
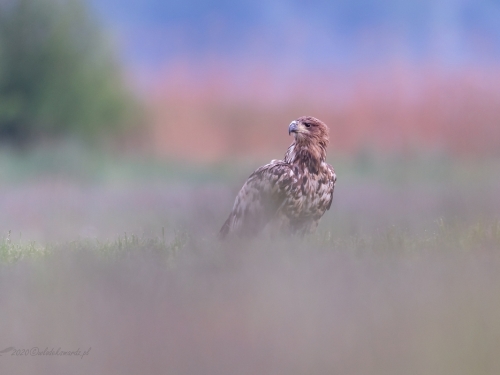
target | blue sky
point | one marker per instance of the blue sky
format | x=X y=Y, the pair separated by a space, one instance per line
x=315 y=32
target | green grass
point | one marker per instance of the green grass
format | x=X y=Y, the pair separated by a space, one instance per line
x=454 y=238
x=15 y=251
x=12 y=251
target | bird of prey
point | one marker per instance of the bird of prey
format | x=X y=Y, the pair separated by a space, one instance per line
x=290 y=195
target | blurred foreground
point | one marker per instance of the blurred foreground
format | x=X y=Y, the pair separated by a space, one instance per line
x=401 y=278
x=391 y=304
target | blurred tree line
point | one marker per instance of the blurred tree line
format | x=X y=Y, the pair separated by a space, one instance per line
x=58 y=76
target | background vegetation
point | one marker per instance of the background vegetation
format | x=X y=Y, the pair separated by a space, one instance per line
x=58 y=75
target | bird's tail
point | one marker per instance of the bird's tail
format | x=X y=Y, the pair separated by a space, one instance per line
x=224 y=231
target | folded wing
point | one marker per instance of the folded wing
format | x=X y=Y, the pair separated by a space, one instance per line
x=259 y=199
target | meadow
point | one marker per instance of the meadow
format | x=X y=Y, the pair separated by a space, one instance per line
x=124 y=143
x=118 y=254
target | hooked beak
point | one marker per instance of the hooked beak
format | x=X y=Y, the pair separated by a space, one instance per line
x=293 y=127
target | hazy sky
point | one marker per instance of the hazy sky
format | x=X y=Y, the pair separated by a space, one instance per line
x=317 y=32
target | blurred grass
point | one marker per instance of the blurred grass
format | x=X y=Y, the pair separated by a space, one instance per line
x=73 y=160
x=444 y=238
x=118 y=252
x=66 y=191
x=378 y=304
x=14 y=251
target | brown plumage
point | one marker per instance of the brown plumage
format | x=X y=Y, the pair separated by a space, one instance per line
x=290 y=194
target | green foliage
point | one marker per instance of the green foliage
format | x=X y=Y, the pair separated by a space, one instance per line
x=57 y=76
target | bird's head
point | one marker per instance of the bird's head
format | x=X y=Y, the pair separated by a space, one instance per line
x=309 y=130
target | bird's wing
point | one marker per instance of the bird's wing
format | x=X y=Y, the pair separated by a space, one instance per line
x=260 y=197
x=333 y=179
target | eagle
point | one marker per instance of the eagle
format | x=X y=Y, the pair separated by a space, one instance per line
x=291 y=195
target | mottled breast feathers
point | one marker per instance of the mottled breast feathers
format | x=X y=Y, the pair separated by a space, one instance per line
x=292 y=194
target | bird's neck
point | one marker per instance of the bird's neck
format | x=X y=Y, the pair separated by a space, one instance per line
x=308 y=156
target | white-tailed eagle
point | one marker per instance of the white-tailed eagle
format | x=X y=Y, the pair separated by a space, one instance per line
x=291 y=194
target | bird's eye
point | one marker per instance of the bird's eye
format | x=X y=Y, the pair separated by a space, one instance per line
x=307 y=125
